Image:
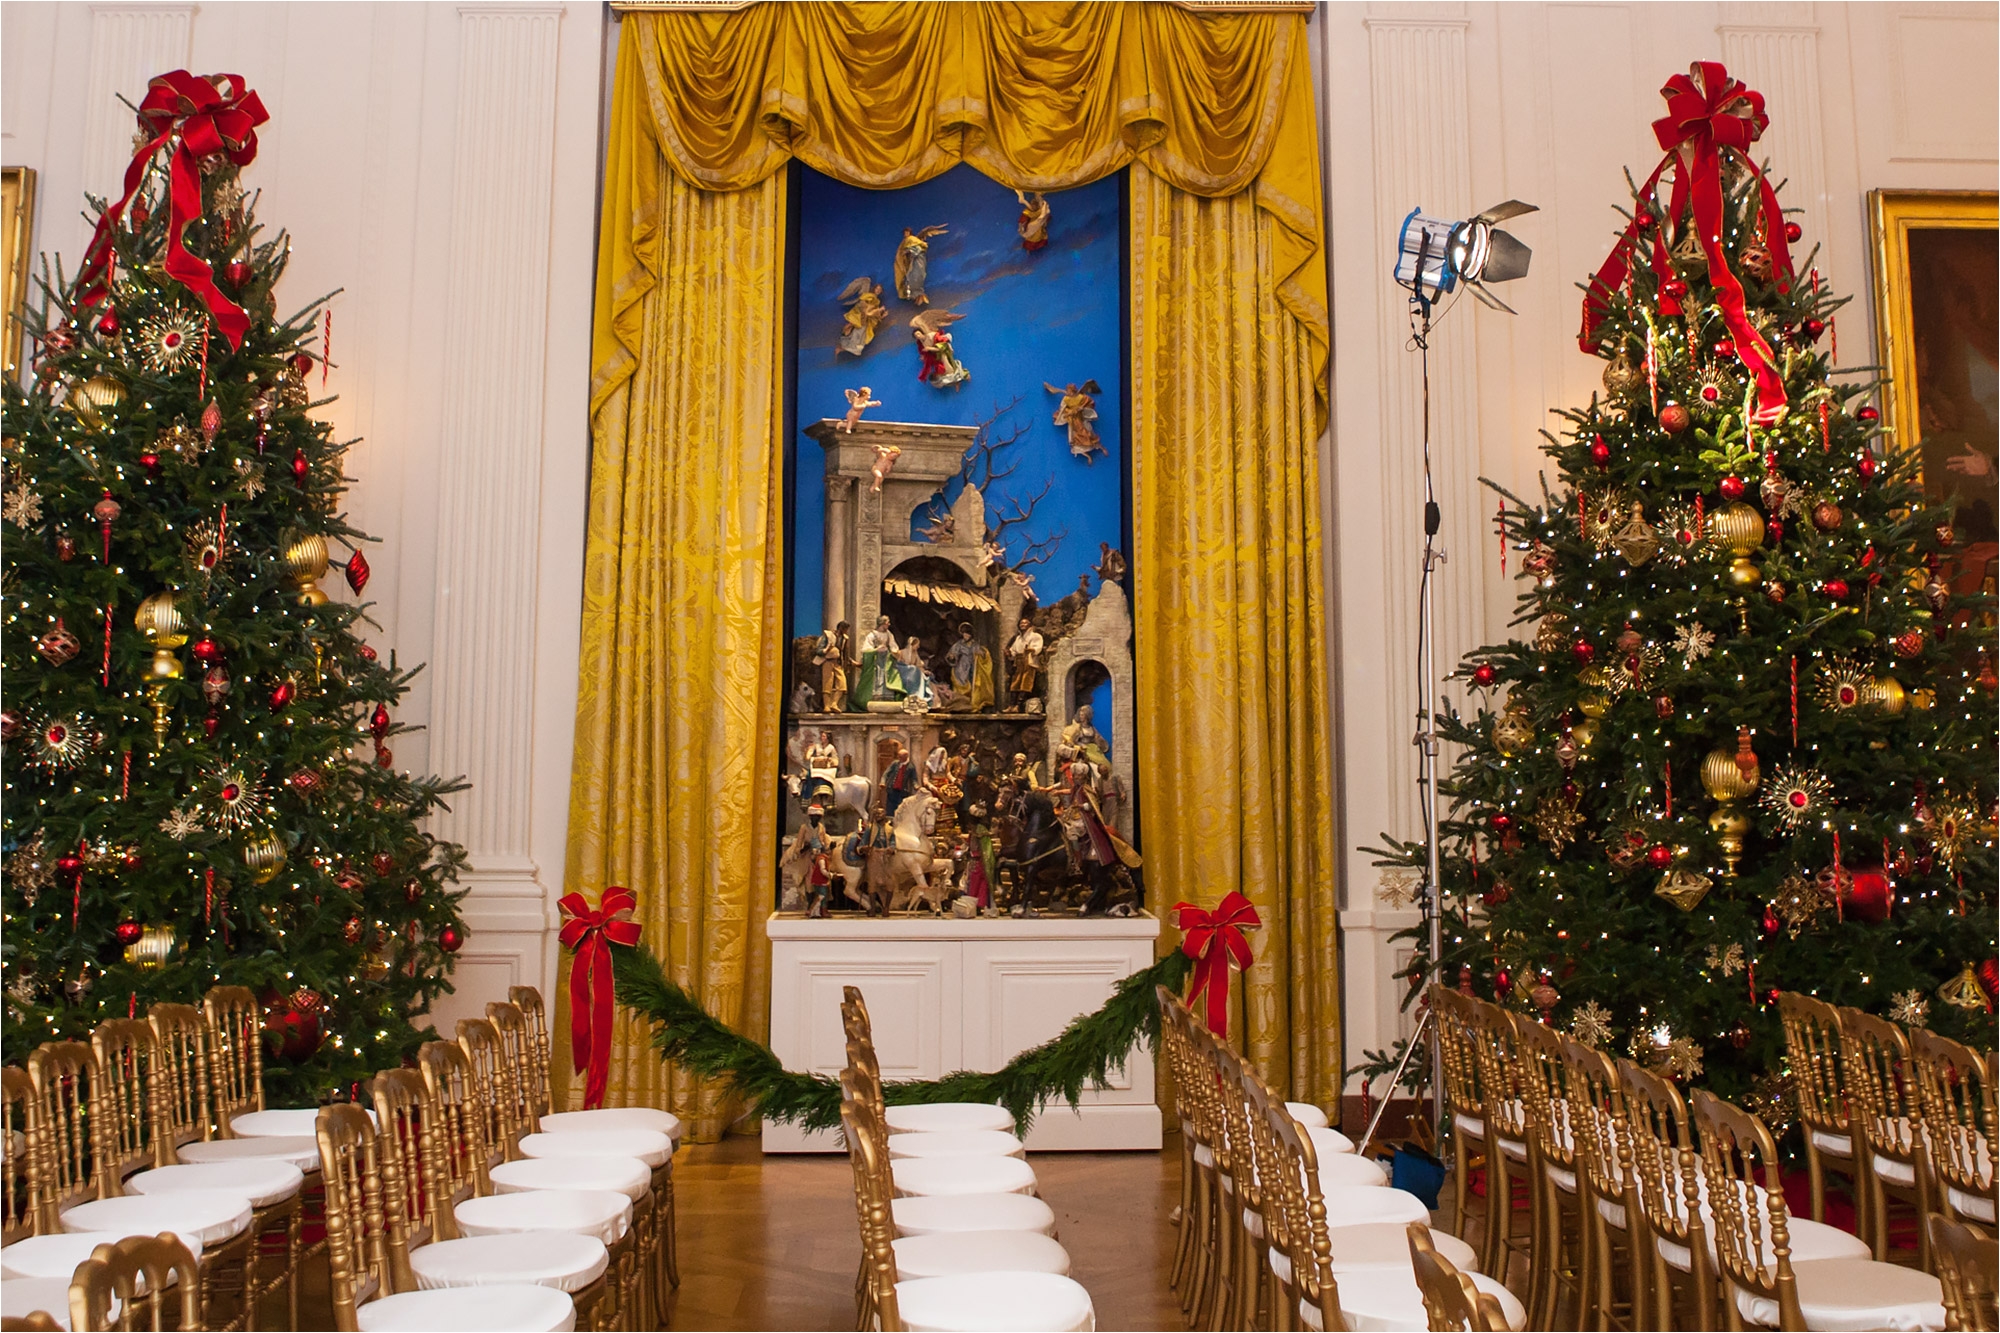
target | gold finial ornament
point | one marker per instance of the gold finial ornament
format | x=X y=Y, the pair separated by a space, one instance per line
x=1729 y=776
x=306 y=564
x=164 y=626
x=1739 y=527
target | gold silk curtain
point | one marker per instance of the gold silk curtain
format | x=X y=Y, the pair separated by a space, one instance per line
x=678 y=717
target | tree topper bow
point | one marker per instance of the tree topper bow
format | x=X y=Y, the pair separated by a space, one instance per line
x=1214 y=939
x=589 y=932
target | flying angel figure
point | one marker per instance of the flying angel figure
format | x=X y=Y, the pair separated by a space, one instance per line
x=885 y=460
x=863 y=299
x=913 y=262
x=1034 y=223
x=858 y=401
x=941 y=369
x=1077 y=411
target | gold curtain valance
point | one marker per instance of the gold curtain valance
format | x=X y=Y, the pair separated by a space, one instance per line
x=1038 y=96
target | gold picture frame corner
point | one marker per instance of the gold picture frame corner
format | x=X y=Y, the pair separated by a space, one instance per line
x=17 y=248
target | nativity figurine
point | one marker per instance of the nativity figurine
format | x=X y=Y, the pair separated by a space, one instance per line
x=1034 y=223
x=1077 y=410
x=992 y=555
x=941 y=367
x=834 y=655
x=863 y=299
x=913 y=262
x=858 y=401
x=879 y=678
x=1110 y=564
x=942 y=530
x=822 y=759
x=885 y=461
x=1024 y=664
x=971 y=672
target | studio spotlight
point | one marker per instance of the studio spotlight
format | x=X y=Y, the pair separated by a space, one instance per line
x=1433 y=257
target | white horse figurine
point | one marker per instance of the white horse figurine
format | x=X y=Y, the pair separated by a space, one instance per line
x=918 y=874
x=850 y=791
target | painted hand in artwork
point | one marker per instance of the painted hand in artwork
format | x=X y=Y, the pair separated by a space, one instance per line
x=941 y=367
x=1034 y=223
x=885 y=460
x=913 y=262
x=1077 y=410
x=863 y=299
x=858 y=401
x=1970 y=463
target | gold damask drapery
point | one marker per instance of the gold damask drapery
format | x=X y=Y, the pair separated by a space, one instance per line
x=678 y=715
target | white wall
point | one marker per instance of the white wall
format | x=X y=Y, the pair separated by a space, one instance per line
x=438 y=162
x=1458 y=106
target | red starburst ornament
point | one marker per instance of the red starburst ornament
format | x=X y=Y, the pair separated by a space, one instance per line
x=1795 y=794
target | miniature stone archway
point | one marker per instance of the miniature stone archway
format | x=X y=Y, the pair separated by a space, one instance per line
x=1105 y=638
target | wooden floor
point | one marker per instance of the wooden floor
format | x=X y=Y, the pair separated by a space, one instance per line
x=772 y=1242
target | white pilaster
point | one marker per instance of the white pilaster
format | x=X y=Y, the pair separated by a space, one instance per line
x=1779 y=57
x=129 y=44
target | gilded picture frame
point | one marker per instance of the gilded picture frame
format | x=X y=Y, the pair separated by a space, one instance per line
x=17 y=247
x=1935 y=296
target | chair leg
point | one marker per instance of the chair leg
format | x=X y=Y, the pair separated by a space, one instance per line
x=1229 y=1222
x=1816 y=1177
x=1183 y=1217
x=1202 y=1253
x=294 y=1256
x=1539 y=1258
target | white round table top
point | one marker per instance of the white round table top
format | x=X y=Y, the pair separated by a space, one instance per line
x=628 y=1175
x=207 y=1216
x=472 y=1310
x=648 y=1145
x=262 y=1181
x=301 y=1150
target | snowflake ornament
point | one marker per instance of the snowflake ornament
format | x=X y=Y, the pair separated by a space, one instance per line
x=31 y=869
x=253 y=477
x=1693 y=643
x=1591 y=1023
x=1728 y=961
x=1555 y=822
x=180 y=825
x=1795 y=794
x=22 y=507
x=1397 y=887
x=1682 y=1058
x=1910 y=1008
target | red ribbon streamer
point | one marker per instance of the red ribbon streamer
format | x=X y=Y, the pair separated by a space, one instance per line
x=1213 y=939
x=192 y=118
x=589 y=932
x=1708 y=112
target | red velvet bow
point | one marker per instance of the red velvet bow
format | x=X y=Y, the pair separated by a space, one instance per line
x=193 y=118
x=1707 y=112
x=1213 y=939
x=589 y=932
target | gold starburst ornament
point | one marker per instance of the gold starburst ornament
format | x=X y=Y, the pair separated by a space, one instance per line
x=1795 y=794
x=170 y=339
x=1844 y=685
x=61 y=742
x=232 y=800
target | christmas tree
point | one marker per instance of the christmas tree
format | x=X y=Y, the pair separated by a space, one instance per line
x=1750 y=746
x=199 y=787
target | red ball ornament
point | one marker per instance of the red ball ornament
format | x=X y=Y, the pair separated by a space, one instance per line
x=1584 y=651
x=1725 y=347
x=1988 y=972
x=1731 y=488
x=1569 y=790
x=1483 y=675
x=450 y=939
x=1910 y=643
x=1864 y=467
x=205 y=651
x=69 y=869
x=1501 y=823
x=282 y=696
x=1674 y=418
x=107 y=324
x=366 y=652
x=1502 y=983
x=1836 y=589
x=384 y=757
x=1812 y=329
x=293 y=1031
x=1867 y=894
x=302 y=363
x=1660 y=856
x=1774 y=530
x=357 y=579
x=299 y=465
x=384 y=864
x=1770 y=925
x=1498 y=894
x=1793 y=232
x=379 y=722
x=150 y=461
x=1739 y=1036
x=210 y=725
x=128 y=932
x=1673 y=289
x=236 y=273
x=1711 y=394
x=131 y=860
x=1644 y=218
x=1600 y=452
x=1867 y=415
x=65 y=548
x=351 y=932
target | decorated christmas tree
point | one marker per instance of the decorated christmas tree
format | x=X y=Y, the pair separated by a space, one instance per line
x=199 y=786
x=1749 y=745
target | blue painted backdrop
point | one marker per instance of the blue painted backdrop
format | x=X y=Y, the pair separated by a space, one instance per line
x=1052 y=315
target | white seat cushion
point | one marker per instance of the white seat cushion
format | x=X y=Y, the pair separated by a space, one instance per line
x=1809 y=1241
x=1612 y=1211
x=260 y=1180
x=292 y=1122
x=1469 y=1125
x=471 y=1309
x=962 y=1175
x=983 y=1301
x=209 y=1216
x=613 y=1117
x=1893 y=1171
x=23 y=1296
x=957 y=1143
x=1839 y=1294
x=1563 y=1178
x=943 y=1117
x=1355 y=1204
x=1329 y=1143
x=628 y=1175
x=542 y=1258
x=1837 y=1145
x=1341 y=1170
x=646 y=1145
x=1975 y=1206
x=1389 y=1300
x=58 y=1255
x=300 y=1150
x=1204 y=1155
x=605 y=1215
x=972 y=1212
x=1374 y=1245
x=948 y=1254
x=1312 y=1117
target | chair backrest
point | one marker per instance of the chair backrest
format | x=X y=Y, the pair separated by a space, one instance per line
x=1812 y=1042
x=1968 y=1265
x=1460 y=1062
x=868 y=1154
x=1741 y=1165
x=235 y=1052
x=122 y=1110
x=1597 y=1115
x=1545 y=1078
x=1294 y=1208
x=1875 y=1057
x=24 y=1140
x=65 y=1173
x=414 y=1195
x=1450 y=1300
x=493 y=1083
x=357 y=1233
x=529 y=1001
x=1955 y=1089
x=1667 y=1174
x=1220 y=1078
x=143 y=1276
x=1502 y=1079
x=517 y=1048
x=466 y=1150
x=35 y=1321
x=185 y=1096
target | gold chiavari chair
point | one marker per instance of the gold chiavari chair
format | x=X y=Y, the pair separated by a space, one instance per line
x=1249 y=1272
x=1875 y=1059
x=1451 y=1302
x=1955 y=1090
x=236 y=1052
x=1562 y=1262
x=1173 y=1052
x=467 y=1151
x=535 y=1016
x=1968 y=1261
x=1300 y=1254
x=1452 y=1013
x=493 y=1084
x=1761 y=1283
x=1503 y=1084
x=1204 y=1121
x=1813 y=1048
x=35 y=1321
x=1613 y=1218
x=1666 y=1173
x=18 y=1220
x=132 y=1284
x=61 y=1074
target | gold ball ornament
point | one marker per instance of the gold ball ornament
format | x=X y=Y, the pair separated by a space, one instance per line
x=94 y=397
x=264 y=854
x=305 y=565
x=1583 y=733
x=1621 y=376
x=1887 y=694
x=1512 y=732
x=1723 y=780
x=160 y=620
x=154 y=947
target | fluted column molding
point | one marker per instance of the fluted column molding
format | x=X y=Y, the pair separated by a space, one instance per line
x=129 y=44
x=1780 y=59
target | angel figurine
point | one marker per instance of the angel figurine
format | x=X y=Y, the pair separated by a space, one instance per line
x=942 y=529
x=913 y=262
x=885 y=461
x=1034 y=223
x=1077 y=411
x=863 y=299
x=942 y=368
x=858 y=401
x=991 y=554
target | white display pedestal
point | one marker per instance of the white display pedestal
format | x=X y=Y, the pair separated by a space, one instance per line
x=949 y=994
